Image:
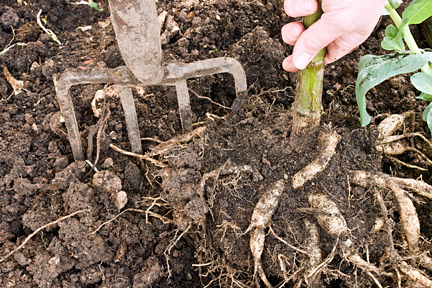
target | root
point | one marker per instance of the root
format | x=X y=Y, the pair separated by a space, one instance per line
x=210 y=100
x=331 y=219
x=419 y=187
x=257 y=239
x=329 y=142
x=315 y=256
x=176 y=141
x=38 y=230
x=392 y=123
x=394 y=256
x=260 y=219
x=224 y=226
x=9 y=46
x=218 y=273
x=178 y=239
x=140 y=156
x=17 y=85
x=415 y=275
x=288 y=244
x=148 y=213
x=172 y=245
x=390 y=144
x=154 y=202
x=315 y=271
x=266 y=206
x=368 y=179
x=101 y=125
x=226 y=275
x=163 y=147
x=398 y=148
x=426 y=262
x=411 y=166
x=409 y=218
x=92 y=166
x=359 y=262
x=374 y=279
x=97 y=130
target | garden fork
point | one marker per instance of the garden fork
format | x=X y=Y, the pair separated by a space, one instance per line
x=138 y=37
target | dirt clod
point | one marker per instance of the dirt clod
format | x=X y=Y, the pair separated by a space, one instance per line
x=150 y=274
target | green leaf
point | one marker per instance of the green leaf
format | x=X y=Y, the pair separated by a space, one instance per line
x=95 y=6
x=422 y=82
x=427 y=110
x=373 y=70
x=417 y=12
x=393 y=40
x=424 y=96
x=395 y=3
x=427 y=116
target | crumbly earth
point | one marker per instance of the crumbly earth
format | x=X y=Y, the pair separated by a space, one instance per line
x=183 y=223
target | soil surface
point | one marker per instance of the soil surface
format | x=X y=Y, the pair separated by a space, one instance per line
x=186 y=213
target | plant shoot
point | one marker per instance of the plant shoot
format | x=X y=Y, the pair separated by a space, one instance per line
x=407 y=58
x=307 y=107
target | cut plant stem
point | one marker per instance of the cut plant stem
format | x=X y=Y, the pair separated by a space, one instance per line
x=307 y=107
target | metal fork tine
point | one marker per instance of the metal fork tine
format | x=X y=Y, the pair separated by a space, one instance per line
x=66 y=108
x=184 y=107
x=131 y=119
x=138 y=36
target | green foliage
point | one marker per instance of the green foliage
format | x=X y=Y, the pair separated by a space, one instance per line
x=422 y=82
x=424 y=96
x=45 y=240
x=393 y=40
x=92 y=4
x=427 y=116
x=395 y=3
x=95 y=6
x=373 y=70
x=417 y=12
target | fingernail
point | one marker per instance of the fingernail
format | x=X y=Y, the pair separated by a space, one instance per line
x=304 y=6
x=285 y=63
x=302 y=60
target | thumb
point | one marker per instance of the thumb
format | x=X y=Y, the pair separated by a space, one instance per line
x=313 y=39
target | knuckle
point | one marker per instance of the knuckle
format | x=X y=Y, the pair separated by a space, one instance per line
x=313 y=44
x=290 y=8
x=337 y=22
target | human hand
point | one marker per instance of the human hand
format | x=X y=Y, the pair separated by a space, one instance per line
x=343 y=26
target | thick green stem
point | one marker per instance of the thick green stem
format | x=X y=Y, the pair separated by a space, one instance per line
x=307 y=107
x=407 y=36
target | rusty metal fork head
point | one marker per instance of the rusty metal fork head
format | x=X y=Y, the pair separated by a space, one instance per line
x=138 y=37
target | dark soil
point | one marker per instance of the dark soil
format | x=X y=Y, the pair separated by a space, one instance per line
x=192 y=233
